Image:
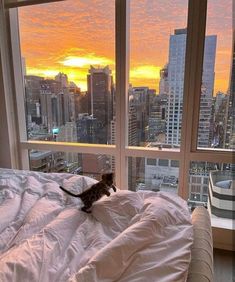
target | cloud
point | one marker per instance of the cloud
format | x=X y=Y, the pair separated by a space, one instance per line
x=70 y=35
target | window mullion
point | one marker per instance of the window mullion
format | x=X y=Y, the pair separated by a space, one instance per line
x=122 y=71
x=19 y=84
x=10 y=150
x=192 y=86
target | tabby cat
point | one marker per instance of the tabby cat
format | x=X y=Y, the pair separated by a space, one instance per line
x=95 y=192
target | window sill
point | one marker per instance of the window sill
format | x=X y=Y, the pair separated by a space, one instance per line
x=223 y=233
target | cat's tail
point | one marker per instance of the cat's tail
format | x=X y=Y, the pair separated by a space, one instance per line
x=70 y=193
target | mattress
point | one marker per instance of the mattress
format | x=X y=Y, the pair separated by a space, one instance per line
x=129 y=236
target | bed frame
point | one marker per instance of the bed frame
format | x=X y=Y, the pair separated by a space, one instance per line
x=201 y=266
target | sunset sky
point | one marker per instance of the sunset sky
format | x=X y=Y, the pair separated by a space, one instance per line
x=70 y=36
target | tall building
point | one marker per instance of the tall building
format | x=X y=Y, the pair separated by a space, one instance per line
x=218 y=120
x=87 y=128
x=68 y=133
x=68 y=101
x=62 y=78
x=32 y=99
x=176 y=85
x=230 y=127
x=139 y=99
x=100 y=100
x=157 y=118
x=207 y=92
x=176 y=68
x=51 y=101
x=132 y=141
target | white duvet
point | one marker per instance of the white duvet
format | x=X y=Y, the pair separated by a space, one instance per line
x=129 y=237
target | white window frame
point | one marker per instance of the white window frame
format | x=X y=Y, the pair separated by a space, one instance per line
x=121 y=151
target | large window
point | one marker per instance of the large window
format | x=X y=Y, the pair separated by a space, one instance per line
x=132 y=86
x=68 y=65
x=158 y=33
x=217 y=90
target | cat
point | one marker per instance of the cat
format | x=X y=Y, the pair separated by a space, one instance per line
x=95 y=192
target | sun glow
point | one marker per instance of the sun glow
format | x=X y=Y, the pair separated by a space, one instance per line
x=74 y=61
x=145 y=72
x=78 y=74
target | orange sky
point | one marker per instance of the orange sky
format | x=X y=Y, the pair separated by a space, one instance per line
x=70 y=36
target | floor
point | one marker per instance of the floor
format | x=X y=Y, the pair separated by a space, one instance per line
x=224 y=266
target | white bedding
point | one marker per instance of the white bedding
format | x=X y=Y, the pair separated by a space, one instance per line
x=129 y=237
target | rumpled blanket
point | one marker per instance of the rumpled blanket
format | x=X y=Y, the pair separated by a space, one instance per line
x=128 y=237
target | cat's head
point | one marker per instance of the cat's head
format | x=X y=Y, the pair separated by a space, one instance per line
x=108 y=178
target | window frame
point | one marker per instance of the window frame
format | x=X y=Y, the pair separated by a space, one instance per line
x=196 y=26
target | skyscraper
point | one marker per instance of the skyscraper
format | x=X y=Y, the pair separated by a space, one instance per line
x=139 y=100
x=176 y=85
x=62 y=78
x=230 y=128
x=68 y=133
x=32 y=99
x=176 y=68
x=52 y=104
x=100 y=100
x=207 y=91
x=218 y=120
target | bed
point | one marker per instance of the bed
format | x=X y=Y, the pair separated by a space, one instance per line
x=129 y=237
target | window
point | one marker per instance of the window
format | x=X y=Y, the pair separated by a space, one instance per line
x=69 y=80
x=163 y=162
x=143 y=127
x=151 y=162
x=216 y=129
x=174 y=163
x=157 y=30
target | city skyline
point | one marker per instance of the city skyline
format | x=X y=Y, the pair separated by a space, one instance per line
x=54 y=42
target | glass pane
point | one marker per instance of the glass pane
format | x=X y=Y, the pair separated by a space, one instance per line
x=153 y=174
x=157 y=60
x=86 y=164
x=212 y=185
x=68 y=59
x=218 y=81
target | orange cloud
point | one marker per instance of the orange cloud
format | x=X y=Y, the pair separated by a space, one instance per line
x=69 y=36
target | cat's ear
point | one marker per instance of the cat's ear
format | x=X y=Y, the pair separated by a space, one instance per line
x=108 y=176
x=104 y=176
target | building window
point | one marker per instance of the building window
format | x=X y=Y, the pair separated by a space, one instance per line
x=151 y=162
x=163 y=162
